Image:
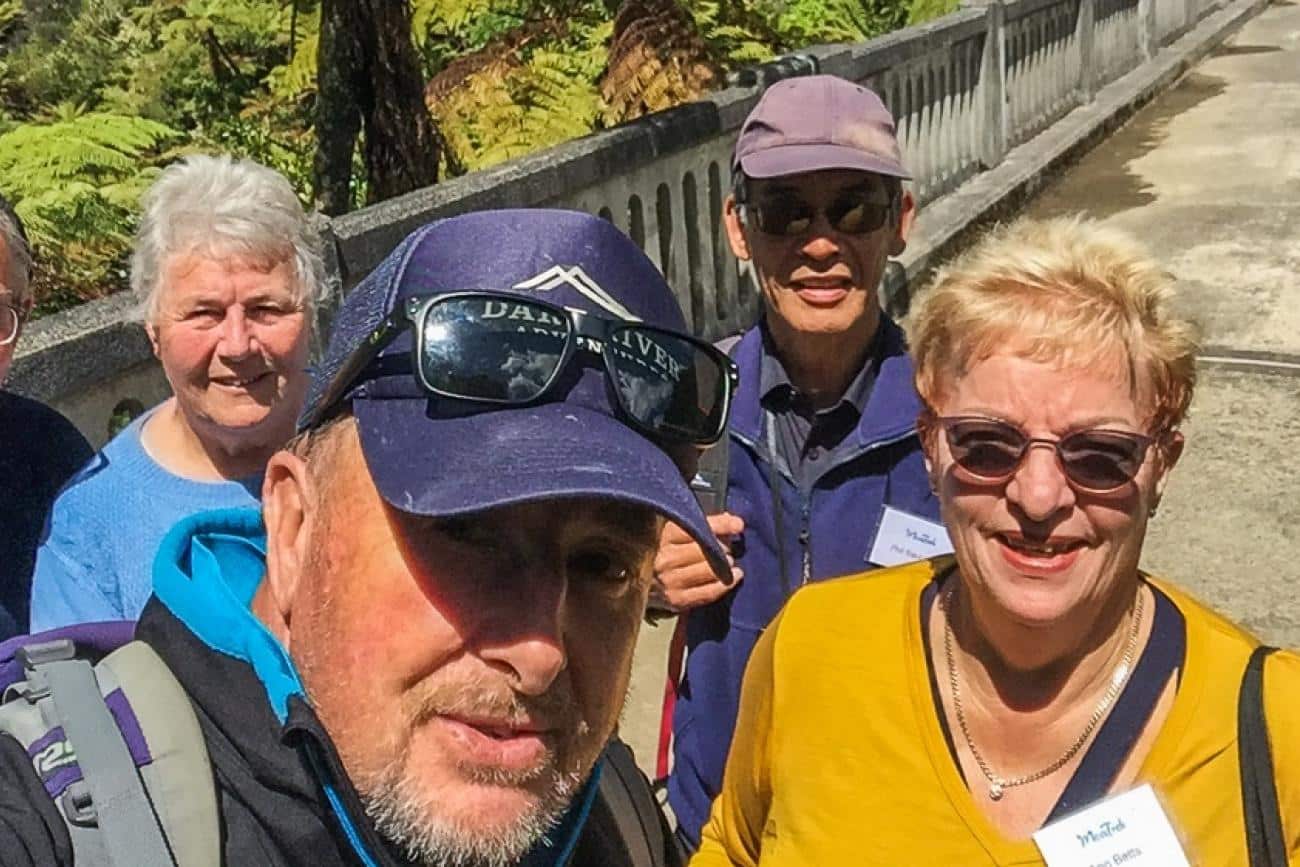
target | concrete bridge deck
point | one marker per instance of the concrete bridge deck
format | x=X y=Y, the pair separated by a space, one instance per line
x=1208 y=174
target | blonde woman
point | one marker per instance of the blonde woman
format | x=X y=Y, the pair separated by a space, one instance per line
x=945 y=712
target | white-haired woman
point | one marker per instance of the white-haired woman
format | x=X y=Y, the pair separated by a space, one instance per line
x=226 y=269
x=944 y=712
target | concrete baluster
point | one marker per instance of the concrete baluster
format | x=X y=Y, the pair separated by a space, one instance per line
x=1085 y=37
x=1148 y=42
x=991 y=116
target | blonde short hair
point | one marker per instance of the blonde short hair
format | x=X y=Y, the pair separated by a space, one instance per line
x=1068 y=291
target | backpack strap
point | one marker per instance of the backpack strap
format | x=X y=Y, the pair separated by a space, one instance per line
x=626 y=803
x=1264 y=838
x=728 y=344
x=131 y=834
x=117 y=747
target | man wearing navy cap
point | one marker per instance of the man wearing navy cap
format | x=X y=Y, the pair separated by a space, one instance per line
x=417 y=652
x=826 y=476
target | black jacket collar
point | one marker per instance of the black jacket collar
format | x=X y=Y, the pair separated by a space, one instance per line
x=284 y=773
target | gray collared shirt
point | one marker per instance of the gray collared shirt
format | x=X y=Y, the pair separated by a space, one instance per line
x=809 y=441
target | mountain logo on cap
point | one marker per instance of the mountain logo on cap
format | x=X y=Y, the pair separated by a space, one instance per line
x=575 y=278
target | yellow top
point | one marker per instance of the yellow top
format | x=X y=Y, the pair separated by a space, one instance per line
x=839 y=756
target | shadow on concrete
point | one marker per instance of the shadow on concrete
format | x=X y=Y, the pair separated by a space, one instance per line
x=1102 y=183
x=1238 y=50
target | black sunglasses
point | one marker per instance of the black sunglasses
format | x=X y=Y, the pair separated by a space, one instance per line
x=504 y=349
x=1098 y=461
x=853 y=212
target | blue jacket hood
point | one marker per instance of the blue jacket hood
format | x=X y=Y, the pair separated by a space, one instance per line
x=208 y=567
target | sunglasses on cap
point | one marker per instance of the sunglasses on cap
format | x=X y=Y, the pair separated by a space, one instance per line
x=503 y=349
x=1097 y=461
x=857 y=211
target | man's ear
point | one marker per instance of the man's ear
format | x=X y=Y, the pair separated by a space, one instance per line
x=906 y=218
x=289 y=512
x=735 y=227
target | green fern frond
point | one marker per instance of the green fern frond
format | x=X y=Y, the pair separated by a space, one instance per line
x=11 y=16
x=94 y=145
x=297 y=77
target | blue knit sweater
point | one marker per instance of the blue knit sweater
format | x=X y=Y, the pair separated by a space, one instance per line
x=97 y=562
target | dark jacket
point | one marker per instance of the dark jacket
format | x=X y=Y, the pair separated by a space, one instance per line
x=283 y=797
x=829 y=532
x=39 y=451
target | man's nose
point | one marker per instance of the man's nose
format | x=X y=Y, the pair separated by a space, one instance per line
x=524 y=635
x=1039 y=486
x=820 y=244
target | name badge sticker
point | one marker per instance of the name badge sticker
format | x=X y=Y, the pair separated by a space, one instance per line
x=903 y=537
x=1128 y=830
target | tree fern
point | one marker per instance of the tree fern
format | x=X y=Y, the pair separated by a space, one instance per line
x=94 y=94
x=730 y=43
x=657 y=59
x=11 y=17
x=76 y=182
x=97 y=146
x=510 y=109
x=296 y=77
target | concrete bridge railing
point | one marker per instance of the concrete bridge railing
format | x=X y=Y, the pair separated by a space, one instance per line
x=966 y=89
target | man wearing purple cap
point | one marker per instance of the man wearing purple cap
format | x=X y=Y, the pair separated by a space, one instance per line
x=417 y=651
x=826 y=475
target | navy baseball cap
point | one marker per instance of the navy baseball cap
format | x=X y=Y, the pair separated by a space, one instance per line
x=442 y=457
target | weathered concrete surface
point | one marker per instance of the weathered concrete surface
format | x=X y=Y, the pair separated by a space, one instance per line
x=946 y=225
x=1229 y=526
x=1208 y=175
x=641 y=713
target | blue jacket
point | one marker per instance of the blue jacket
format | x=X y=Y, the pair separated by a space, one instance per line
x=827 y=534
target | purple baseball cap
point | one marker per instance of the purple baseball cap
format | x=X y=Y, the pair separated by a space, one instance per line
x=442 y=457
x=818 y=122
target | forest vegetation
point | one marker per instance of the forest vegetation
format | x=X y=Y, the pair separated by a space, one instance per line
x=97 y=95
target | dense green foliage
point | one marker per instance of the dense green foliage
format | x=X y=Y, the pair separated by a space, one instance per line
x=96 y=95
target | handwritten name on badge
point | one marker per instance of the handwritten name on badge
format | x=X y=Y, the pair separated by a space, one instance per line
x=905 y=538
x=1128 y=830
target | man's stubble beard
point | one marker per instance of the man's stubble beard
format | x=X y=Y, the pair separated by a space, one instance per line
x=407 y=812
x=413 y=818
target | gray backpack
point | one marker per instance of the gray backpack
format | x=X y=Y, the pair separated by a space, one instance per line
x=116 y=743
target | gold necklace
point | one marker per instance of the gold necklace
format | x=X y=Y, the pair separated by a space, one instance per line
x=998 y=785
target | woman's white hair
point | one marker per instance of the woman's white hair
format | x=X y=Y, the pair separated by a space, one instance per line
x=220 y=206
